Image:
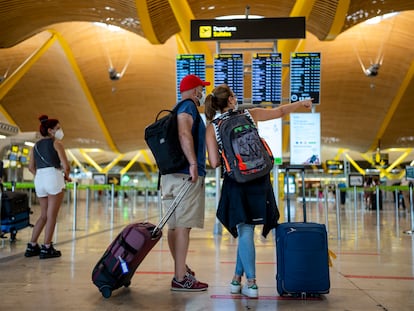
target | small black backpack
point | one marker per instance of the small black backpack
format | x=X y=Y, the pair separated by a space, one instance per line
x=162 y=138
x=246 y=156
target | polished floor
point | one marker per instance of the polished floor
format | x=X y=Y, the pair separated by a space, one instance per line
x=373 y=269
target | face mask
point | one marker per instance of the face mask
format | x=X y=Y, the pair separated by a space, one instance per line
x=59 y=134
x=202 y=99
x=236 y=105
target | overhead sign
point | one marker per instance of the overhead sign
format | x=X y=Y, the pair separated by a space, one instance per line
x=248 y=29
x=334 y=166
x=380 y=159
x=409 y=173
x=355 y=180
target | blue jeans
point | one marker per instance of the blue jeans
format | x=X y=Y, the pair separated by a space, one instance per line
x=246 y=252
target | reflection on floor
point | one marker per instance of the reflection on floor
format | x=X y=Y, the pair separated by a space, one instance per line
x=374 y=268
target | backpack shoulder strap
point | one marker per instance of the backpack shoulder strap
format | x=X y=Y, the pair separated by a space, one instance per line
x=196 y=123
x=216 y=124
x=247 y=113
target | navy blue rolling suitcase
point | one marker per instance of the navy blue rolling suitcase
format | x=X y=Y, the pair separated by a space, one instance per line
x=302 y=254
x=15 y=212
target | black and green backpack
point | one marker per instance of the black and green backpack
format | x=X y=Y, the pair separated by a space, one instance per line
x=246 y=156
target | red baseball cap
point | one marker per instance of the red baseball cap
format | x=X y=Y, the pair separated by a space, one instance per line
x=191 y=81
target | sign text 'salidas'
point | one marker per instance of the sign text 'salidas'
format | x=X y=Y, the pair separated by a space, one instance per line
x=225 y=31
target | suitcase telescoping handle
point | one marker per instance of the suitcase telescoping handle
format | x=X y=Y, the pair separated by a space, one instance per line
x=172 y=207
x=300 y=168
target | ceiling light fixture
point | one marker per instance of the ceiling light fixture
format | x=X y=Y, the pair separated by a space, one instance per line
x=239 y=16
x=380 y=18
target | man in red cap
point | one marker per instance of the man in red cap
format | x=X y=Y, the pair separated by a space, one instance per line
x=190 y=213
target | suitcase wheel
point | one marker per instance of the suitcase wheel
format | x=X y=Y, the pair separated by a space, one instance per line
x=106 y=291
x=127 y=283
x=13 y=233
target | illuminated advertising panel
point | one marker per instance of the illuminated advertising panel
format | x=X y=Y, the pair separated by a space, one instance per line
x=305 y=138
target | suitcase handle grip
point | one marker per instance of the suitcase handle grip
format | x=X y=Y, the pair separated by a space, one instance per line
x=295 y=168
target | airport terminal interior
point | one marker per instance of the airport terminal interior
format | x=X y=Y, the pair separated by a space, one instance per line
x=105 y=69
x=372 y=261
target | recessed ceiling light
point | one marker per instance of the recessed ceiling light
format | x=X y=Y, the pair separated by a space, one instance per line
x=379 y=19
x=227 y=17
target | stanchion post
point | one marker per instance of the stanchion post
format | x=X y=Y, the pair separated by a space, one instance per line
x=338 y=217
x=355 y=204
x=410 y=188
x=30 y=197
x=377 y=195
x=88 y=193
x=325 y=197
x=146 y=198
x=75 y=201
x=396 y=209
x=134 y=200
x=112 y=202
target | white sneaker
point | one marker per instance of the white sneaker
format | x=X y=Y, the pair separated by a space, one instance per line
x=235 y=287
x=251 y=291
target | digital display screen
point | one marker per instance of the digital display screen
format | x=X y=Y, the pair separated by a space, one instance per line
x=189 y=64
x=267 y=78
x=409 y=173
x=228 y=69
x=305 y=77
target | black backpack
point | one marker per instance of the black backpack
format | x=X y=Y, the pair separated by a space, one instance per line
x=246 y=156
x=162 y=138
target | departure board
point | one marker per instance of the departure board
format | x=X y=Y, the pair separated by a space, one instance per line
x=228 y=68
x=189 y=64
x=305 y=76
x=267 y=78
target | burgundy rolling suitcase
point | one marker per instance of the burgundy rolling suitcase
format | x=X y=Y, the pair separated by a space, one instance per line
x=118 y=264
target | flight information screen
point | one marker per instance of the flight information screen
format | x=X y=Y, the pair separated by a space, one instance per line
x=267 y=78
x=305 y=76
x=189 y=64
x=228 y=68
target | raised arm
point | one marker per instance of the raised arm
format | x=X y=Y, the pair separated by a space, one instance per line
x=264 y=114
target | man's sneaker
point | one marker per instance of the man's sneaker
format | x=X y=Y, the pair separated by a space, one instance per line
x=235 y=287
x=50 y=252
x=251 y=291
x=188 y=284
x=32 y=250
x=190 y=271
